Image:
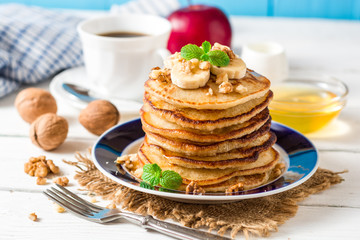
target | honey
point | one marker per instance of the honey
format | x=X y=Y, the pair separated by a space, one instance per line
x=305 y=107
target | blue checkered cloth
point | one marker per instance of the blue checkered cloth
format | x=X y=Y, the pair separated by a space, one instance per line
x=35 y=43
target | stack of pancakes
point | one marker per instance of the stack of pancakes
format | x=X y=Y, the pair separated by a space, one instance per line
x=217 y=140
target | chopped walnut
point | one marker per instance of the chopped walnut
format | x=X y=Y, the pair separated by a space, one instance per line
x=226 y=49
x=195 y=62
x=40 y=167
x=62 y=181
x=234 y=189
x=222 y=77
x=41 y=181
x=193 y=188
x=204 y=65
x=226 y=87
x=278 y=170
x=33 y=217
x=29 y=168
x=186 y=66
x=59 y=208
x=127 y=160
x=210 y=92
x=111 y=206
x=138 y=172
x=192 y=65
x=172 y=60
x=53 y=168
x=240 y=89
x=159 y=74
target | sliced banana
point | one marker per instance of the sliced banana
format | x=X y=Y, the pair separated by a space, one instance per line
x=189 y=80
x=235 y=70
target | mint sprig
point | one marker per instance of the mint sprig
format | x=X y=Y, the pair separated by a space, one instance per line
x=215 y=57
x=153 y=176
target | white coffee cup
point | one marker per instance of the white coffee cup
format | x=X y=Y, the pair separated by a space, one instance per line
x=267 y=59
x=118 y=66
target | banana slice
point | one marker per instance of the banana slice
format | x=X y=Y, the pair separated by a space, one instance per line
x=189 y=80
x=235 y=70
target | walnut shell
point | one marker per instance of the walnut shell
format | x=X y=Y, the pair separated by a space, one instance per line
x=49 y=131
x=34 y=102
x=99 y=116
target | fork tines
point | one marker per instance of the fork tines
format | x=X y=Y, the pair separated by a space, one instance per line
x=72 y=202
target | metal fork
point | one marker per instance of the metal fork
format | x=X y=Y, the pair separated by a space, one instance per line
x=94 y=213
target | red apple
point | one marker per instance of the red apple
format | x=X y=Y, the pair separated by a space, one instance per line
x=197 y=23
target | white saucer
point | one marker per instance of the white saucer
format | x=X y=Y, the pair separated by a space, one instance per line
x=78 y=76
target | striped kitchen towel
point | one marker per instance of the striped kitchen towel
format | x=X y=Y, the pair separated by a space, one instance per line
x=35 y=43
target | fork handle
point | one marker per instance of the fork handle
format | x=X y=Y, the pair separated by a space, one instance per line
x=177 y=231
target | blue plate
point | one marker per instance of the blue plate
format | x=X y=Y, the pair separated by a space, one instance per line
x=299 y=154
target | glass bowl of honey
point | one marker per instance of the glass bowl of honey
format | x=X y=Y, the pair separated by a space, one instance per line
x=308 y=104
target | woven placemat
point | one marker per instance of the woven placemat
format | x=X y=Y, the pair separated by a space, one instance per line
x=259 y=216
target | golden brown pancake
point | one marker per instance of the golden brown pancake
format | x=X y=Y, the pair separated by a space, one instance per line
x=248 y=182
x=191 y=163
x=190 y=148
x=232 y=159
x=206 y=119
x=152 y=123
x=266 y=161
x=256 y=85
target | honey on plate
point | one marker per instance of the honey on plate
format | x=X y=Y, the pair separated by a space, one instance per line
x=305 y=107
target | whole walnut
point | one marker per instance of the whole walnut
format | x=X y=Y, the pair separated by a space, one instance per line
x=99 y=116
x=49 y=131
x=34 y=102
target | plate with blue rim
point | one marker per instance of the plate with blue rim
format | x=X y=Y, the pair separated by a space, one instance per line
x=296 y=151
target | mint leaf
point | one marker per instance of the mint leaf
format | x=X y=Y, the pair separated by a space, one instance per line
x=206 y=46
x=218 y=58
x=191 y=51
x=146 y=185
x=170 y=179
x=204 y=57
x=151 y=174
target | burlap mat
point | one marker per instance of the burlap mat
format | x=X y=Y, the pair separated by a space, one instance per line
x=259 y=216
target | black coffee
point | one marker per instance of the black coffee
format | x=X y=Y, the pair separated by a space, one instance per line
x=122 y=34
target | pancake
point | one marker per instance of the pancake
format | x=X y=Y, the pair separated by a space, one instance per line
x=154 y=124
x=206 y=119
x=190 y=148
x=256 y=85
x=233 y=159
x=248 y=182
x=266 y=161
x=191 y=163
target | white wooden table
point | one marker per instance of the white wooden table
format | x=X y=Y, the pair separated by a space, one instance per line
x=320 y=46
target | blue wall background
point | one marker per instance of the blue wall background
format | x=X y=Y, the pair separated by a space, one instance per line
x=335 y=9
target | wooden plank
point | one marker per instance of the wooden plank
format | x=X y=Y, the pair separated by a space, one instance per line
x=345 y=193
x=321 y=223
x=309 y=223
x=16 y=206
